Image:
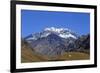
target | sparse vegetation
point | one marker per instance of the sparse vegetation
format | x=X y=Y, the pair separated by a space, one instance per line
x=29 y=56
x=74 y=56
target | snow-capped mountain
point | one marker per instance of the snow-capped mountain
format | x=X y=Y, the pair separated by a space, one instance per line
x=61 y=32
x=55 y=41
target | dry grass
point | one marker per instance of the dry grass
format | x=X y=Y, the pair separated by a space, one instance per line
x=74 y=56
x=27 y=55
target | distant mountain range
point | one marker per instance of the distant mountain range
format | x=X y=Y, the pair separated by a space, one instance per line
x=55 y=41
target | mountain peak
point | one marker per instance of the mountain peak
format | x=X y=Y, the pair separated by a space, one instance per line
x=61 y=32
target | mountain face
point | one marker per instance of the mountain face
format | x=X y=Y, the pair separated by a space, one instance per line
x=55 y=41
x=83 y=43
x=61 y=32
x=51 y=45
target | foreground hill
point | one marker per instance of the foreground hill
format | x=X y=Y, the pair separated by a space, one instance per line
x=27 y=55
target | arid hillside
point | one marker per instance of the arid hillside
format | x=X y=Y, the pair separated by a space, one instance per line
x=28 y=55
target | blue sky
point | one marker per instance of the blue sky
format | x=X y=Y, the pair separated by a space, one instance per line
x=33 y=21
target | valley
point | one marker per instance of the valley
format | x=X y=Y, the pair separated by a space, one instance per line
x=28 y=56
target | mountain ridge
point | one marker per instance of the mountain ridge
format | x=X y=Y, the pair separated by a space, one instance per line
x=62 y=32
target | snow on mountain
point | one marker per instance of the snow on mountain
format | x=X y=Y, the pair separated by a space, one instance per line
x=58 y=30
x=67 y=36
x=61 y=32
